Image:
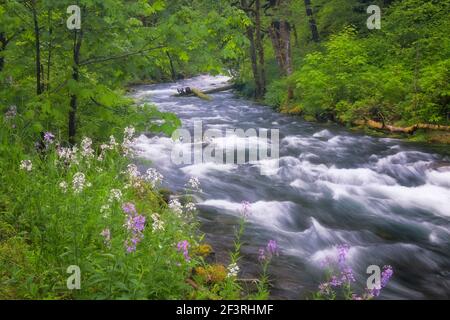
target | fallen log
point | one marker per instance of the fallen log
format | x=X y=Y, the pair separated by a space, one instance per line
x=220 y=89
x=408 y=130
x=200 y=94
x=189 y=92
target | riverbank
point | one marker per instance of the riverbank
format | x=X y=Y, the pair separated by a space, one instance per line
x=434 y=137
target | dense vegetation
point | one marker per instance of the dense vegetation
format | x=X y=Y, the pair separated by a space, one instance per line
x=70 y=192
x=335 y=68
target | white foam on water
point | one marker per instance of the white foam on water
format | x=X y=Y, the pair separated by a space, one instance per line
x=272 y=214
x=240 y=143
x=427 y=197
x=331 y=254
x=357 y=176
x=297 y=141
x=323 y=134
x=438 y=178
x=204 y=168
x=157 y=149
x=270 y=167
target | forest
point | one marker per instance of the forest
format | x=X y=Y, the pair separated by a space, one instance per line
x=68 y=175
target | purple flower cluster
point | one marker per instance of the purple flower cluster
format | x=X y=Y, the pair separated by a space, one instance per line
x=106 y=234
x=245 y=209
x=129 y=208
x=135 y=224
x=343 y=250
x=49 y=138
x=261 y=254
x=345 y=276
x=386 y=275
x=266 y=254
x=183 y=246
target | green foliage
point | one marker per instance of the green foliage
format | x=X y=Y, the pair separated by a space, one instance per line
x=399 y=74
x=46 y=226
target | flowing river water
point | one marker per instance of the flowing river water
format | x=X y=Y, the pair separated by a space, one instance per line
x=388 y=199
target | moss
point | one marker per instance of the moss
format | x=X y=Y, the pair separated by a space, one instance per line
x=215 y=273
x=435 y=137
x=203 y=250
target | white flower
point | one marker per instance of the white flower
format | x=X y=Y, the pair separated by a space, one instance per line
x=128 y=141
x=157 y=224
x=193 y=184
x=115 y=195
x=78 y=182
x=86 y=148
x=112 y=142
x=233 y=270
x=132 y=171
x=104 y=210
x=11 y=113
x=26 y=165
x=175 y=206
x=190 y=207
x=63 y=185
x=68 y=155
x=153 y=177
x=129 y=133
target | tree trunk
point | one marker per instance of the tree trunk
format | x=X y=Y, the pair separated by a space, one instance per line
x=38 y=49
x=294 y=29
x=172 y=68
x=280 y=33
x=3 y=43
x=49 y=49
x=312 y=21
x=78 y=35
x=254 y=61
x=274 y=32
x=286 y=34
x=260 y=49
x=408 y=130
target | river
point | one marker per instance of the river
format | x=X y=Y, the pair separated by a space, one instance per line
x=388 y=199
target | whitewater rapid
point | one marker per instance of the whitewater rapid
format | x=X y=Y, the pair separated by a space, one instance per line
x=388 y=199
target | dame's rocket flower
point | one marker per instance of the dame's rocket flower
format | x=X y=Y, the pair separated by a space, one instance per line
x=26 y=165
x=158 y=224
x=245 y=209
x=115 y=195
x=129 y=208
x=233 y=270
x=175 y=206
x=385 y=277
x=194 y=184
x=86 y=148
x=63 y=185
x=153 y=177
x=49 y=138
x=190 y=207
x=79 y=182
x=272 y=247
x=266 y=254
x=106 y=234
x=11 y=113
x=183 y=246
x=135 y=224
